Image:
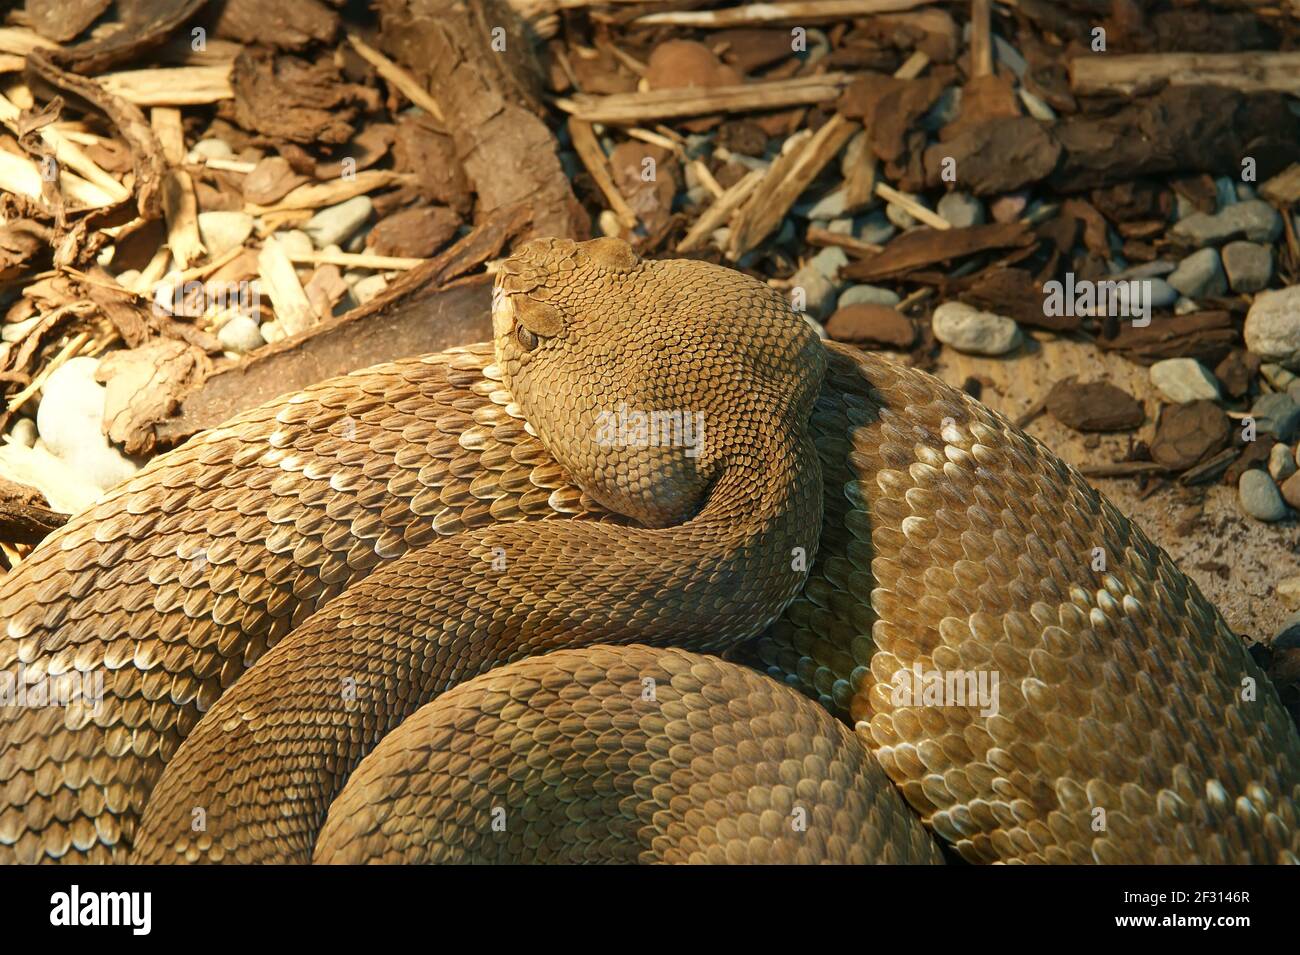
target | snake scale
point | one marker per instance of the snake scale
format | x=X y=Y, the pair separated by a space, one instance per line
x=419 y=613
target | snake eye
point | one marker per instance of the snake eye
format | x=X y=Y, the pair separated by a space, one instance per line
x=527 y=340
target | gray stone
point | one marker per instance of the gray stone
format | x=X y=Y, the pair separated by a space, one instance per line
x=818 y=291
x=975 y=332
x=961 y=210
x=23 y=432
x=829 y=261
x=842 y=226
x=370 y=286
x=876 y=228
x=1254 y=220
x=829 y=206
x=868 y=295
x=1272 y=329
x=337 y=223
x=1156 y=268
x=1249 y=265
x=295 y=242
x=1277 y=414
x=1163 y=295
x=1260 y=497
x=240 y=335
x=900 y=216
x=222 y=231
x=1281 y=462
x=1225 y=192
x=1200 y=274
x=71 y=424
x=1184 y=379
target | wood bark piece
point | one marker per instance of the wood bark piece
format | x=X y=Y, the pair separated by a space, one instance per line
x=492 y=99
x=1205 y=336
x=27 y=523
x=799 y=11
x=399 y=77
x=1254 y=71
x=785 y=181
x=924 y=247
x=593 y=158
x=628 y=108
x=144 y=386
x=408 y=318
x=145 y=26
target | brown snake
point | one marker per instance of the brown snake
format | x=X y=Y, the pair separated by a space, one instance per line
x=380 y=542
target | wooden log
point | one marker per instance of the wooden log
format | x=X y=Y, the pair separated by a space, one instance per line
x=1252 y=71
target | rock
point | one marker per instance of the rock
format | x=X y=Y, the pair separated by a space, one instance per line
x=900 y=216
x=675 y=64
x=1163 y=295
x=867 y=324
x=223 y=231
x=961 y=210
x=818 y=291
x=272 y=332
x=1289 y=591
x=23 y=432
x=829 y=261
x=945 y=109
x=1280 y=378
x=370 y=286
x=1190 y=433
x=1291 y=490
x=1254 y=220
x=1272 y=329
x=1093 y=406
x=210 y=149
x=875 y=227
x=1235 y=372
x=1249 y=266
x=975 y=332
x=1281 y=463
x=1276 y=414
x=1200 y=274
x=1010 y=207
x=240 y=335
x=337 y=223
x=295 y=242
x=1184 y=379
x=1259 y=496
x=868 y=295
x=829 y=206
x=71 y=424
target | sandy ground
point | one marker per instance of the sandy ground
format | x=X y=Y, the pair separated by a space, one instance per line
x=1236 y=560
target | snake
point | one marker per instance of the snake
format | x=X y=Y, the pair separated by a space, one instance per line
x=657 y=575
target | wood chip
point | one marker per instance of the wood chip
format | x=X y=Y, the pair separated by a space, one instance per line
x=632 y=108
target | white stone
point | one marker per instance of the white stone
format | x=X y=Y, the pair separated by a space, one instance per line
x=1272 y=329
x=71 y=423
x=222 y=231
x=337 y=223
x=240 y=335
x=1184 y=379
x=975 y=332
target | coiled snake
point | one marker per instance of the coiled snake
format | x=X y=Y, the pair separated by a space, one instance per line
x=385 y=619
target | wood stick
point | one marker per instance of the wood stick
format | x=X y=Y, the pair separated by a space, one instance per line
x=914 y=208
x=166 y=123
x=20 y=41
x=823 y=237
x=1250 y=72
x=181 y=210
x=358 y=260
x=182 y=86
x=785 y=181
x=981 y=37
x=293 y=310
x=800 y=11
x=718 y=213
x=315 y=195
x=593 y=157
x=67 y=153
x=635 y=108
x=399 y=76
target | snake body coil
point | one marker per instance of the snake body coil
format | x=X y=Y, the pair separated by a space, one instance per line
x=377 y=544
